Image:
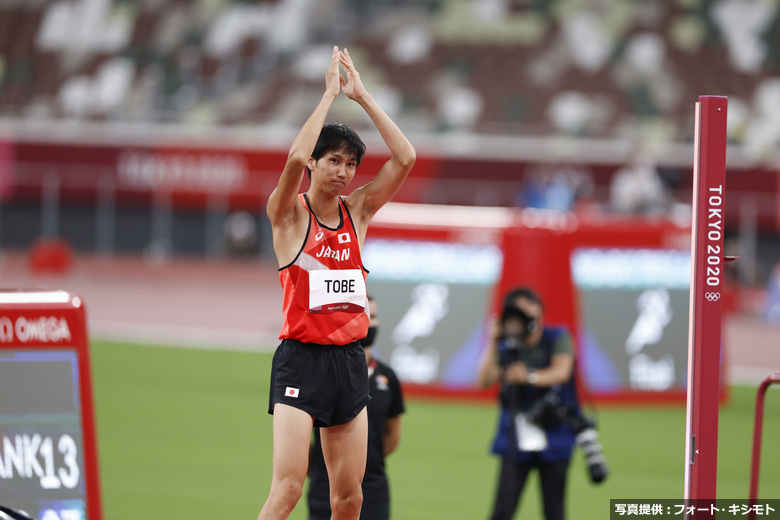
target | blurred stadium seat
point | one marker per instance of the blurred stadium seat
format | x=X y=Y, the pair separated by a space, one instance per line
x=598 y=69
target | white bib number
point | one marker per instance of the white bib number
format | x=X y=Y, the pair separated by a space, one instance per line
x=341 y=290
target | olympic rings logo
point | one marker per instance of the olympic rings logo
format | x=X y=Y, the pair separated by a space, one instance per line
x=712 y=296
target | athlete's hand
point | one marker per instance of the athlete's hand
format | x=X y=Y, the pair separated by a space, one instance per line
x=333 y=79
x=353 y=86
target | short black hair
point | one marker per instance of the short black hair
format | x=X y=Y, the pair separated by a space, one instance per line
x=336 y=136
x=522 y=292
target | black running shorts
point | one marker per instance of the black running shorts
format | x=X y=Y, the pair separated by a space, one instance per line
x=329 y=382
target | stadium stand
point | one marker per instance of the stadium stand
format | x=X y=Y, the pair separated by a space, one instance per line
x=595 y=68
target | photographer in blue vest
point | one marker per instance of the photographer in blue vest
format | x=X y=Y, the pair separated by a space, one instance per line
x=540 y=415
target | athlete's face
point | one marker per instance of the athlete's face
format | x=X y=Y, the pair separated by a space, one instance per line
x=334 y=170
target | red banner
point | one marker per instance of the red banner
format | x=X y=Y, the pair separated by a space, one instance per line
x=191 y=175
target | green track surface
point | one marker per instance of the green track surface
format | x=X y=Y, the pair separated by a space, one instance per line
x=185 y=434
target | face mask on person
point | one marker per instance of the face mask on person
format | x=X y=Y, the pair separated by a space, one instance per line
x=370 y=337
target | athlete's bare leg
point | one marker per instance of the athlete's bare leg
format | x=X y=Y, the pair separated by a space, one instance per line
x=344 y=448
x=292 y=436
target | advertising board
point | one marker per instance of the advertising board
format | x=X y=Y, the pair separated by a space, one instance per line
x=48 y=455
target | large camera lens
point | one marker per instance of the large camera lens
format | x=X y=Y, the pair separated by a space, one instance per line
x=588 y=440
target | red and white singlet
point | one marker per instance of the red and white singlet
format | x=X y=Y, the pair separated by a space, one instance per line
x=325 y=286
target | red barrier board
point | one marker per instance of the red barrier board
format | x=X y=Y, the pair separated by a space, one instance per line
x=48 y=453
x=620 y=285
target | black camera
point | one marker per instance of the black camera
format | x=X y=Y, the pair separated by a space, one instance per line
x=516 y=325
x=548 y=412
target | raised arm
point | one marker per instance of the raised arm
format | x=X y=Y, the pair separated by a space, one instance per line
x=283 y=199
x=368 y=199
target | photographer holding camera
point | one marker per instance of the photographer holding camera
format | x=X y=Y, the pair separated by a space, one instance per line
x=540 y=419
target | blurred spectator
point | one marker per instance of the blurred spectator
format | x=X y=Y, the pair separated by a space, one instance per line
x=637 y=188
x=554 y=186
x=241 y=235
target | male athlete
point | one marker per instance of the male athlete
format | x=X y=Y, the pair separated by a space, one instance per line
x=319 y=375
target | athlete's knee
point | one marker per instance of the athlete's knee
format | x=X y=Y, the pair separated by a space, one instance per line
x=286 y=493
x=347 y=504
